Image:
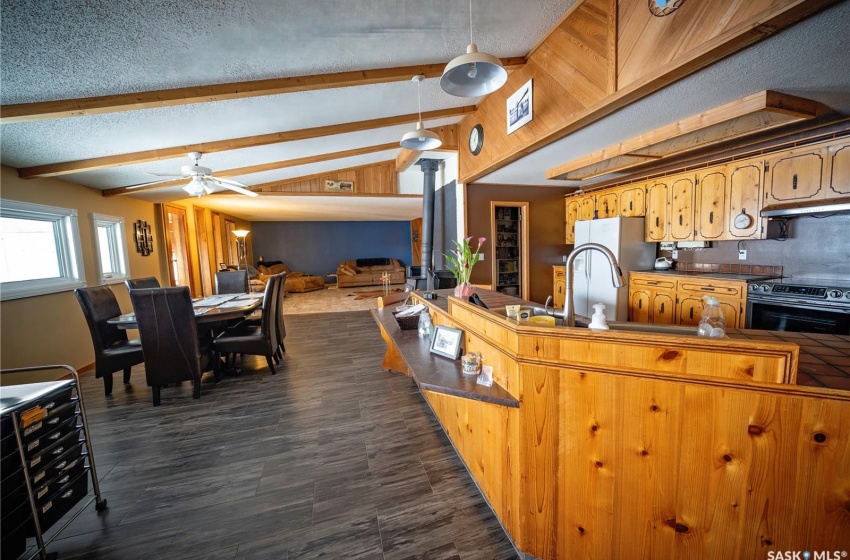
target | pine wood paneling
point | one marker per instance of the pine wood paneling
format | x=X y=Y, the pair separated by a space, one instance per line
x=376 y=179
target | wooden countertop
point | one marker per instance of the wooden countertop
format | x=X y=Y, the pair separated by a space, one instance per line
x=437 y=373
x=711 y=275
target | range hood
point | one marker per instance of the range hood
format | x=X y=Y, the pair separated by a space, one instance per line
x=804 y=207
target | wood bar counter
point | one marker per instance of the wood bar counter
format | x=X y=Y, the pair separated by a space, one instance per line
x=621 y=445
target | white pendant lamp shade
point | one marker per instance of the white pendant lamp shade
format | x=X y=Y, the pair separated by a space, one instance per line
x=196 y=187
x=420 y=139
x=473 y=74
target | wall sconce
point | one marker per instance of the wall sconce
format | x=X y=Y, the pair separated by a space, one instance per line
x=241 y=254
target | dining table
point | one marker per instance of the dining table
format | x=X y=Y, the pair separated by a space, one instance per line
x=209 y=309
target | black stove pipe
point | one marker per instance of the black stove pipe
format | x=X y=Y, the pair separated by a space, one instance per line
x=429 y=168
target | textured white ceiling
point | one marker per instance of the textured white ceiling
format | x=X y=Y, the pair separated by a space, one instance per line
x=54 y=49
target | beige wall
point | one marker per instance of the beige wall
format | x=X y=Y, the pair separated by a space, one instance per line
x=50 y=329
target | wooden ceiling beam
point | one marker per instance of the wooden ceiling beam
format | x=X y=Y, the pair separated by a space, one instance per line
x=224 y=173
x=447 y=134
x=79 y=166
x=63 y=108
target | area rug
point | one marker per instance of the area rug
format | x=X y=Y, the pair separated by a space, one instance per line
x=374 y=293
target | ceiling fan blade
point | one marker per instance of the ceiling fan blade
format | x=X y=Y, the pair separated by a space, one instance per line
x=163 y=174
x=232 y=185
x=150 y=183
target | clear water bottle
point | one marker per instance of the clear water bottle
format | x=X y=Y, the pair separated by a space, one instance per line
x=425 y=323
x=712 y=323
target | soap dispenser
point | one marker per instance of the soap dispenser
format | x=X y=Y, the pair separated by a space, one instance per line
x=598 y=322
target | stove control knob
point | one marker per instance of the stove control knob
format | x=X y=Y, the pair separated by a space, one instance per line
x=846 y=295
x=835 y=294
x=754 y=287
x=765 y=288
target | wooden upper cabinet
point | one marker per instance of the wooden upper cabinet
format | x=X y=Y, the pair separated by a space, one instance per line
x=656 y=212
x=559 y=286
x=632 y=200
x=839 y=169
x=587 y=203
x=795 y=175
x=682 y=208
x=711 y=187
x=744 y=198
x=573 y=207
x=607 y=204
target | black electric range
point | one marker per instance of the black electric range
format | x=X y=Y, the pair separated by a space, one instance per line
x=800 y=304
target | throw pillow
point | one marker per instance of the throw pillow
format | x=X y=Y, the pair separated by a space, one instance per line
x=345 y=271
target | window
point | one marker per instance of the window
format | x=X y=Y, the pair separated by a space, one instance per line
x=39 y=250
x=110 y=248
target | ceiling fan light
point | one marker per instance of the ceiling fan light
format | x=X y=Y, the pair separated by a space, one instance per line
x=473 y=74
x=421 y=139
x=196 y=187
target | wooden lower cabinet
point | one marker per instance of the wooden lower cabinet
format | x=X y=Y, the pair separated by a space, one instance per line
x=659 y=299
x=559 y=285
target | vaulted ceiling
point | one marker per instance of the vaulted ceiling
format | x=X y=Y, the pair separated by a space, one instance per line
x=58 y=50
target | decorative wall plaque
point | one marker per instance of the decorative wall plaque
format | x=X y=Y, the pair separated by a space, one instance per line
x=144 y=238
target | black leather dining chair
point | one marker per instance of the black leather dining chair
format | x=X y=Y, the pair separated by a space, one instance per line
x=257 y=341
x=231 y=282
x=138 y=283
x=169 y=333
x=112 y=350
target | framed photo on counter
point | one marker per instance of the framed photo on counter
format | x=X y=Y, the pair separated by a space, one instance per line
x=447 y=342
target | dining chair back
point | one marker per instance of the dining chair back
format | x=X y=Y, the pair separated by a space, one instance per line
x=281 y=327
x=258 y=341
x=112 y=350
x=169 y=333
x=231 y=282
x=137 y=283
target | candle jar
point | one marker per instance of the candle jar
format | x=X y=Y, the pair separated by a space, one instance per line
x=471 y=363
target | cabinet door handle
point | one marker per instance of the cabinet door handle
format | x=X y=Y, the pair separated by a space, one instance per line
x=68 y=494
x=662 y=307
x=681 y=219
x=707 y=289
x=656 y=222
x=630 y=205
x=59 y=451
x=794 y=182
x=640 y=304
x=692 y=312
x=711 y=217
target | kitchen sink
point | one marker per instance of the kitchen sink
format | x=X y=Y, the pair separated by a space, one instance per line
x=532 y=311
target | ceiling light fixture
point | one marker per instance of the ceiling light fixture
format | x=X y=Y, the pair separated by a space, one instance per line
x=197 y=187
x=420 y=139
x=473 y=74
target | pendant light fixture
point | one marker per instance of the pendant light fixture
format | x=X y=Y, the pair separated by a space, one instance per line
x=474 y=73
x=420 y=139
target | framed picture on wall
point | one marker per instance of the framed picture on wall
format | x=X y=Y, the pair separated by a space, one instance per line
x=519 y=108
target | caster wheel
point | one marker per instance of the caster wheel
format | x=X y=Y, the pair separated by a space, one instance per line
x=100 y=506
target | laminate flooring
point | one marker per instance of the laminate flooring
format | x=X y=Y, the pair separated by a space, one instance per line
x=332 y=457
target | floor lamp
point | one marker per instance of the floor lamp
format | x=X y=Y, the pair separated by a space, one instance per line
x=241 y=254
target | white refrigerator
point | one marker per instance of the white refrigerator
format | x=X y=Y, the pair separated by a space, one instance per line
x=592 y=273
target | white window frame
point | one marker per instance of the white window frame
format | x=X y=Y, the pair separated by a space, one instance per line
x=117 y=242
x=69 y=248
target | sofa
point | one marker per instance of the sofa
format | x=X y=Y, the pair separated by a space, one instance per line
x=296 y=282
x=368 y=272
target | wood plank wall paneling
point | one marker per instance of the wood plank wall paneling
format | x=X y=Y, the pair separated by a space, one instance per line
x=683 y=31
x=569 y=72
x=377 y=178
x=621 y=467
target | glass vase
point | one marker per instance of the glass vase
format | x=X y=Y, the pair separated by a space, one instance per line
x=463 y=290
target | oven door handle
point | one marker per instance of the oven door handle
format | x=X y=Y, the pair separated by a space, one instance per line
x=796 y=303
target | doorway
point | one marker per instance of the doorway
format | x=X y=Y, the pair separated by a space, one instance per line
x=232 y=245
x=509 y=255
x=177 y=247
x=202 y=240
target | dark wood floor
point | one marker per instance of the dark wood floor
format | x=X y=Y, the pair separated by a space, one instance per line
x=330 y=458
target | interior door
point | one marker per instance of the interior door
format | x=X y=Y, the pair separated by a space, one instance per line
x=218 y=247
x=232 y=245
x=177 y=247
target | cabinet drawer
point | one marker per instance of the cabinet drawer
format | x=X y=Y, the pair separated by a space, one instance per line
x=710 y=288
x=58 y=449
x=654 y=283
x=53 y=428
x=63 y=500
x=560 y=272
x=66 y=460
x=64 y=476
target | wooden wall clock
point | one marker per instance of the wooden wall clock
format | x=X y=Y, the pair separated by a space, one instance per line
x=476 y=139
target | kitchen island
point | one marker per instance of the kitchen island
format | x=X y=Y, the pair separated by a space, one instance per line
x=643 y=445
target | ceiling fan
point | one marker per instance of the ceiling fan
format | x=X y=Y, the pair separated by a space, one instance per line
x=201 y=180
